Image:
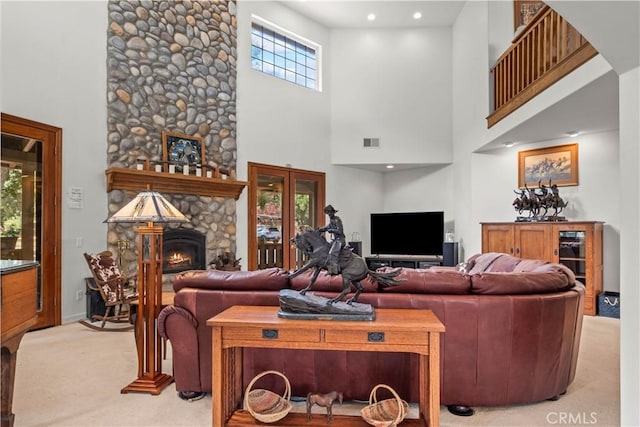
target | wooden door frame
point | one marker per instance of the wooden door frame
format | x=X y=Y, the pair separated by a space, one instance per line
x=289 y=191
x=255 y=169
x=51 y=262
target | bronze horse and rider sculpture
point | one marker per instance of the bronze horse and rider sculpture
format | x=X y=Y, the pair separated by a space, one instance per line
x=538 y=201
x=350 y=266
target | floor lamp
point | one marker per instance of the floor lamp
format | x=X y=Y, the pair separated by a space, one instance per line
x=148 y=207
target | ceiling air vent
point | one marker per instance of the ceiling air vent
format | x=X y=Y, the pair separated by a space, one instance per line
x=372 y=142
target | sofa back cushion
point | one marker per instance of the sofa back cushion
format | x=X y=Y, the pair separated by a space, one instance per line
x=428 y=281
x=271 y=279
x=519 y=283
x=326 y=283
x=556 y=268
x=494 y=262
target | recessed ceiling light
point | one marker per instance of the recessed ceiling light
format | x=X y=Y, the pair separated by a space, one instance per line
x=417 y=15
x=371 y=17
x=390 y=166
x=509 y=144
x=573 y=133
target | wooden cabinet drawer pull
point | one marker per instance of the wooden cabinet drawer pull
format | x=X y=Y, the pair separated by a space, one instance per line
x=270 y=333
x=375 y=336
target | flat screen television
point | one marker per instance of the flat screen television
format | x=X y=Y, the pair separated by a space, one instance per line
x=407 y=233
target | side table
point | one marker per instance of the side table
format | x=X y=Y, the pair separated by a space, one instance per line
x=393 y=330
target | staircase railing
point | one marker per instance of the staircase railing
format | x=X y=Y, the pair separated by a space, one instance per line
x=546 y=50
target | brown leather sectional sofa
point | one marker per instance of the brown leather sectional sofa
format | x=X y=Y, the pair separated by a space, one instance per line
x=512 y=331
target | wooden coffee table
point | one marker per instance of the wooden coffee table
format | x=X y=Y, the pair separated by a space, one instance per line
x=393 y=330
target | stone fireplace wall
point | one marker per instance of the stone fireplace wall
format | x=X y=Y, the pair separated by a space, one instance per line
x=172 y=66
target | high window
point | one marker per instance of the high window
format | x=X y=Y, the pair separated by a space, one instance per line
x=280 y=53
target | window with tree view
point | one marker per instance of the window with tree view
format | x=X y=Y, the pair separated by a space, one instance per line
x=281 y=54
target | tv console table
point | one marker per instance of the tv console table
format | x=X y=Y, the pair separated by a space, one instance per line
x=407 y=261
x=403 y=330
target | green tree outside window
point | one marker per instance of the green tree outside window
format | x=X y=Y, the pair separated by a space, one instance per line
x=11 y=202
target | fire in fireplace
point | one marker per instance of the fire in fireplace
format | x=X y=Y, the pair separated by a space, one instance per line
x=182 y=250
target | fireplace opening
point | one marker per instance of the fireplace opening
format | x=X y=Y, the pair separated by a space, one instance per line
x=183 y=250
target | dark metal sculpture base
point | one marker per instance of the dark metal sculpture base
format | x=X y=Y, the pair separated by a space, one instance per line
x=541 y=219
x=314 y=307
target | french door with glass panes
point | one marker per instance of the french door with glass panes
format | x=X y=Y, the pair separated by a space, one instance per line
x=31 y=170
x=282 y=201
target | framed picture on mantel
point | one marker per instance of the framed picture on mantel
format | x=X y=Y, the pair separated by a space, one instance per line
x=183 y=149
x=558 y=164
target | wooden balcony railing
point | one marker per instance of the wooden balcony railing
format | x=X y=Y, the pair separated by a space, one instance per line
x=270 y=255
x=546 y=50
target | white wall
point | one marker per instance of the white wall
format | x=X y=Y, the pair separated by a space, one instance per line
x=501 y=30
x=392 y=84
x=629 y=247
x=54 y=72
x=356 y=193
x=279 y=122
x=470 y=106
x=422 y=189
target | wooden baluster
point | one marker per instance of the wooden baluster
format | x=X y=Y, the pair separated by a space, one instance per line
x=545 y=45
x=526 y=60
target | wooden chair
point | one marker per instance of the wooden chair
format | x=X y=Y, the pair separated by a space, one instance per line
x=117 y=290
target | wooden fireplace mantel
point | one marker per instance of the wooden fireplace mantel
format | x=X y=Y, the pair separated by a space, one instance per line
x=164 y=182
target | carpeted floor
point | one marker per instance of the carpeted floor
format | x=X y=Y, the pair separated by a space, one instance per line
x=71 y=376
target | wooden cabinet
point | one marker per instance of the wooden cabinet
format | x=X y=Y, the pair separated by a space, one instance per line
x=576 y=244
x=18 y=313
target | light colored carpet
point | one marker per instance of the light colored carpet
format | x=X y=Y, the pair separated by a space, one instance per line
x=71 y=376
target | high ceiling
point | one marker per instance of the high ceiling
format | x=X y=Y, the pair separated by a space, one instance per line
x=388 y=14
x=590 y=110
